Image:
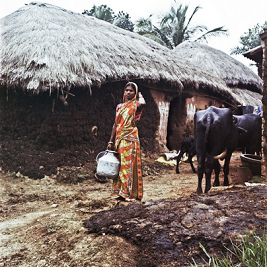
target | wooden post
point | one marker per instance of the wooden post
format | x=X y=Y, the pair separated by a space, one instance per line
x=263 y=37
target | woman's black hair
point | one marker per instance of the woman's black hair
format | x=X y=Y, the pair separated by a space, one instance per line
x=133 y=85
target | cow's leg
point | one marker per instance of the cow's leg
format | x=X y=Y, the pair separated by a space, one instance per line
x=178 y=160
x=217 y=168
x=208 y=172
x=226 y=169
x=200 y=171
x=191 y=163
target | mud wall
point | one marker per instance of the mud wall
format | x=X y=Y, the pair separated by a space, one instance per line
x=181 y=117
x=38 y=134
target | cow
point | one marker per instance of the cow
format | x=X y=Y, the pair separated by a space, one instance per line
x=188 y=147
x=249 y=140
x=216 y=137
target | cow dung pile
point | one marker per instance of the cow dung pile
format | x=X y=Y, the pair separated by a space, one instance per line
x=39 y=134
x=168 y=232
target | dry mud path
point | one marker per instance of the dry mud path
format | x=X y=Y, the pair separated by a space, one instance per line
x=42 y=222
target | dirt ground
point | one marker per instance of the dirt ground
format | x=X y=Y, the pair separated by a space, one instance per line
x=42 y=221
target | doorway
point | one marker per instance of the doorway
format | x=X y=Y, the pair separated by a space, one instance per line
x=177 y=125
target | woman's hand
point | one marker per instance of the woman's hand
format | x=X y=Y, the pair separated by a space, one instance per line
x=109 y=147
x=141 y=100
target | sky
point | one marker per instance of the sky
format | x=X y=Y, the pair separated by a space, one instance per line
x=237 y=16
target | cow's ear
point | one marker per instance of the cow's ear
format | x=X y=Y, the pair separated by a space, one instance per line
x=234 y=119
x=241 y=130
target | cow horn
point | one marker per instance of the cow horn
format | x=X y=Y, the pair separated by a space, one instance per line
x=221 y=156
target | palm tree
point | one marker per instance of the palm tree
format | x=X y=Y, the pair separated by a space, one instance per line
x=146 y=28
x=175 y=28
x=144 y=25
x=178 y=28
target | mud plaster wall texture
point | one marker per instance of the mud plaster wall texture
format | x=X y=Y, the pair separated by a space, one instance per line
x=35 y=140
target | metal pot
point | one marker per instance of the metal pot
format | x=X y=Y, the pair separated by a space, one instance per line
x=108 y=164
x=253 y=162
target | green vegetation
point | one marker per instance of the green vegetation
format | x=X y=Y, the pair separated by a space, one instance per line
x=249 y=40
x=105 y=13
x=250 y=252
x=257 y=179
x=82 y=176
x=174 y=28
x=52 y=227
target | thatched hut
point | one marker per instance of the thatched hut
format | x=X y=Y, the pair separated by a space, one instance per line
x=255 y=54
x=61 y=77
x=243 y=85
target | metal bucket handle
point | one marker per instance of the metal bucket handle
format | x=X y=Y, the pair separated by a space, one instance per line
x=103 y=153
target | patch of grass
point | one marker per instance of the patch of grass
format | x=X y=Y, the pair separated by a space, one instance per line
x=52 y=227
x=250 y=252
x=82 y=176
x=257 y=179
x=92 y=250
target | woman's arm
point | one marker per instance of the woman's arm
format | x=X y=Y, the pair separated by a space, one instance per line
x=112 y=137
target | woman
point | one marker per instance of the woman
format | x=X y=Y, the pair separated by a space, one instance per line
x=124 y=137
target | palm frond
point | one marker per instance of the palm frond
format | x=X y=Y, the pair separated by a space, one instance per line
x=163 y=36
x=214 y=32
x=154 y=37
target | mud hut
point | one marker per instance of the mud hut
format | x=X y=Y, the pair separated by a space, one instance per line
x=61 y=77
x=242 y=83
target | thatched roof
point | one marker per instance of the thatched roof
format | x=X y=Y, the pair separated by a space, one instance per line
x=214 y=61
x=45 y=47
x=254 y=54
x=247 y=97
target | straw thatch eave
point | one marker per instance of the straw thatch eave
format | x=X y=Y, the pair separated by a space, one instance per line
x=45 y=47
x=218 y=63
x=247 y=97
x=254 y=54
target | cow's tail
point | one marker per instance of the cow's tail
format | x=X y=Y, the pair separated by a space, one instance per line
x=207 y=127
x=209 y=122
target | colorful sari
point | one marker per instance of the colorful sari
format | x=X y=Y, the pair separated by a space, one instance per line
x=129 y=183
